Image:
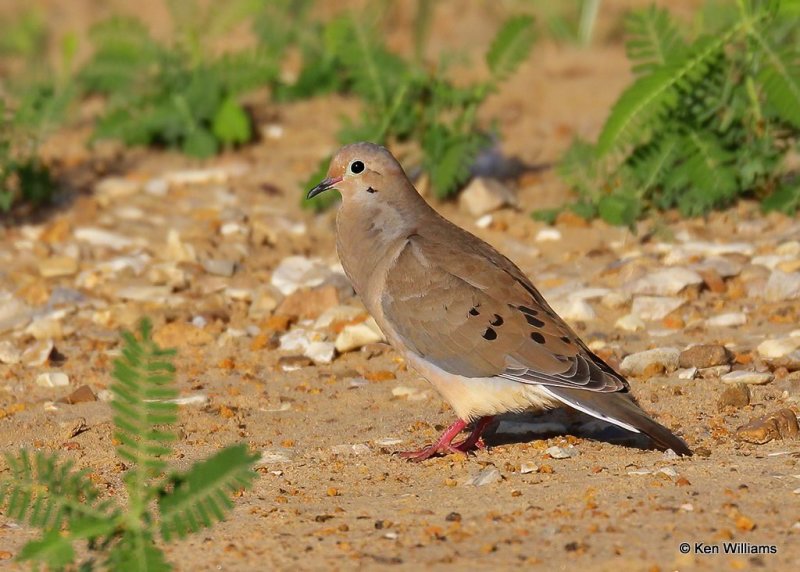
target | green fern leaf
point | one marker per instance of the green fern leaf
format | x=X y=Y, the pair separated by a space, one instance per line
x=136 y=552
x=142 y=383
x=231 y=123
x=703 y=178
x=47 y=494
x=780 y=80
x=511 y=46
x=653 y=39
x=639 y=109
x=53 y=549
x=199 y=497
x=651 y=164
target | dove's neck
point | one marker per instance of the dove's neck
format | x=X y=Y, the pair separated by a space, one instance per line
x=370 y=234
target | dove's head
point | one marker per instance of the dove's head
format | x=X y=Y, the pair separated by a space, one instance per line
x=365 y=173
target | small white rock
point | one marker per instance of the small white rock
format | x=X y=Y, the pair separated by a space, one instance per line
x=655 y=307
x=337 y=314
x=195 y=399
x=636 y=364
x=777 y=348
x=729 y=320
x=320 y=352
x=355 y=336
x=156 y=187
x=9 y=353
x=574 y=309
x=526 y=468
x=548 y=234
x=483 y=196
x=688 y=373
x=485 y=221
x=100 y=237
x=782 y=286
x=295 y=272
x=487 y=476
x=669 y=471
x=52 y=379
x=219 y=267
x=357 y=449
x=272 y=457
x=630 y=323
x=748 y=377
x=37 y=353
x=665 y=282
x=561 y=452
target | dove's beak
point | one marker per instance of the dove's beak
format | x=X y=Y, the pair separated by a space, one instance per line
x=323 y=186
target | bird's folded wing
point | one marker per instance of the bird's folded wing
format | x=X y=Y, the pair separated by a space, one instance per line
x=471 y=312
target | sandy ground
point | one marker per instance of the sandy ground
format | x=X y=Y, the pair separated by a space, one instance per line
x=321 y=504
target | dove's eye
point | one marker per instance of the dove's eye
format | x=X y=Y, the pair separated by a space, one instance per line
x=356 y=167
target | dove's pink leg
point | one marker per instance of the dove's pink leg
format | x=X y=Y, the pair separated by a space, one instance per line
x=445 y=443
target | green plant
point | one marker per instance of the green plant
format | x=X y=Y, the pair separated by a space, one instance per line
x=36 y=102
x=407 y=101
x=49 y=494
x=705 y=122
x=177 y=94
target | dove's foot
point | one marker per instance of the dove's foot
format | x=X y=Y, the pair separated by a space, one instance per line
x=445 y=443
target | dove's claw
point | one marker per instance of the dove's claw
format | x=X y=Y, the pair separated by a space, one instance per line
x=445 y=443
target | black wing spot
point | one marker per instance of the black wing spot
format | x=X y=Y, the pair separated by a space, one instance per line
x=537 y=337
x=529 y=311
x=370 y=190
x=535 y=322
x=489 y=334
x=498 y=320
x=566 y=340
x=474 y=312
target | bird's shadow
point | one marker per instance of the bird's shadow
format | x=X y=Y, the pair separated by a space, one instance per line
x=523 y=427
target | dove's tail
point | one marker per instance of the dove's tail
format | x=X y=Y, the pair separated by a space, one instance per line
x=621 y=410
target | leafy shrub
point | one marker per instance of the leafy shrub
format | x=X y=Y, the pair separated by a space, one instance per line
x=49 y=494
x=705 y=122
x=176 y=94
x=405 y=100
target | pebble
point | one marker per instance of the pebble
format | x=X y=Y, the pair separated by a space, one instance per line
x=487 y=476
x=655 y=307
x=57 y=266
x=357 y=449
x=14 y=313
x=52 y=379
x=320 y=352
x=105 y=238
x=83 y=394
x=9 y=353
x=548 y=235
x=713 y=372
x=484 y=195
x=157 y=187
x=410 y=393
x=777 y=348
x=485 y=221
x=337 y=314
x=782 y=286
x=574 y=309
x=37 y=353
x=748 y=377
x=526 y=468
x=729 y=320
x=355 y=336
x=219 y=267
x=687 y=373
x=630 y=323
x=176 y=250
x=704 y=355
x=115 y=188
x=562 y=452
x=665 y=282
x=294 y=363
x=781 y=424
x=195 y=399
x=735 y=395
x=273 y=456
x=295 y=272
x=659 y=359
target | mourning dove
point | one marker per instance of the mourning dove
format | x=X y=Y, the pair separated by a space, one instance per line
x=462 y=314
